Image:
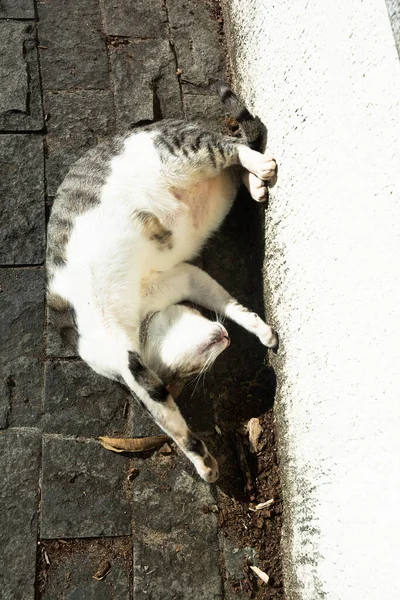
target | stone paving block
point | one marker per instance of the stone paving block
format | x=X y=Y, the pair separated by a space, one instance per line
x=205 y=108
x=234 y=559
x=19 y=476
x=196 y=37
x=145 y=82
x=22 y=235
x=79 y=402
x=128 y=18
x=142 y=424
x=174 y=528
x=21 y=346
x=20 y=99
x=72 y=52
x=77 y=121
x=56 y=345
x=83 y=491
x=73 y=564
x=17 y=9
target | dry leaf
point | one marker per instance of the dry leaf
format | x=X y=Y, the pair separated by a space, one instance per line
x=103 y=571
x=255 y=430
x=263 y=576
x=133 y=444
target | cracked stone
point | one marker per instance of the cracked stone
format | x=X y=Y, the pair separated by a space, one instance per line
x=19 y=468
x=76 y=122
x=17 y=9
x=82 y=490
x=21 y=346
x=196 y=37
x=172 y=531
x=20 y=99
x=79 y=402
x=146 y=19
x=72 y=52
x=145 y=83
x=22 y=207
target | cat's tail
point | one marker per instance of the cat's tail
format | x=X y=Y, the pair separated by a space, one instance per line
x=251 y=127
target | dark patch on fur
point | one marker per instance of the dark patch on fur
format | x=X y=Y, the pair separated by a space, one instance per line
x=159 y=393
x=146 y=378
x=154 y=230
x=193 y=444
x=211 y=155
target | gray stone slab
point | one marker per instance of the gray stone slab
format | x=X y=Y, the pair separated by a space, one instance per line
x=72 y=52
x=127 y=18
x=17 y=9
x=82 y=490
x=142 y=424
x=176 y=540
x=20 y=99
x=81 y=559
x=79 y=402
x=19 y=476
x=21 y=346
x=196 y=38
x=208 y=108
x=77 y=121
x=56 y=345
x=234 y=558
x=145 y=82
x=22 y=210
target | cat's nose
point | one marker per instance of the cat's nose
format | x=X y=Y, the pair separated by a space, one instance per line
x=223 y=334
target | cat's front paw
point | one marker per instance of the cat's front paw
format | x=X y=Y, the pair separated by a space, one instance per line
x=267 y=336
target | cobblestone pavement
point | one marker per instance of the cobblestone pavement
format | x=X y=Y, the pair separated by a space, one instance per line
x=72 y=73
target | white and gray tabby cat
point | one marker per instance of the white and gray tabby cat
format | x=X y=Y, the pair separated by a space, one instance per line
x=126 y=218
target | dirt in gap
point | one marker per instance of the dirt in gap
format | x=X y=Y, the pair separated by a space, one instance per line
x=243 y=389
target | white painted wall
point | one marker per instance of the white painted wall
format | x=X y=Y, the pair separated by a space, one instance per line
x=325 y=77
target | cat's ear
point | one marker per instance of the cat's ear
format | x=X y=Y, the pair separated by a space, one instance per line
x=175 y=388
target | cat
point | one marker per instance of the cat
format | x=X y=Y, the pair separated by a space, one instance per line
x=125 y=220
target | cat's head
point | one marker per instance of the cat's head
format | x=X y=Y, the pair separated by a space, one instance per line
x=180 y=342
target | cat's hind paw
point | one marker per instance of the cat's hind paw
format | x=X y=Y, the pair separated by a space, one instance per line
x=265 y=167
x=255 y=185
x=209 y=469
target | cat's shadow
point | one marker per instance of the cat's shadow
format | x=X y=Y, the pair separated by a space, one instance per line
x=242 y=385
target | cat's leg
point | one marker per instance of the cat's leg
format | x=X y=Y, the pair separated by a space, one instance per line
x=187 y=282
x=189 y=152
x=154 y=396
